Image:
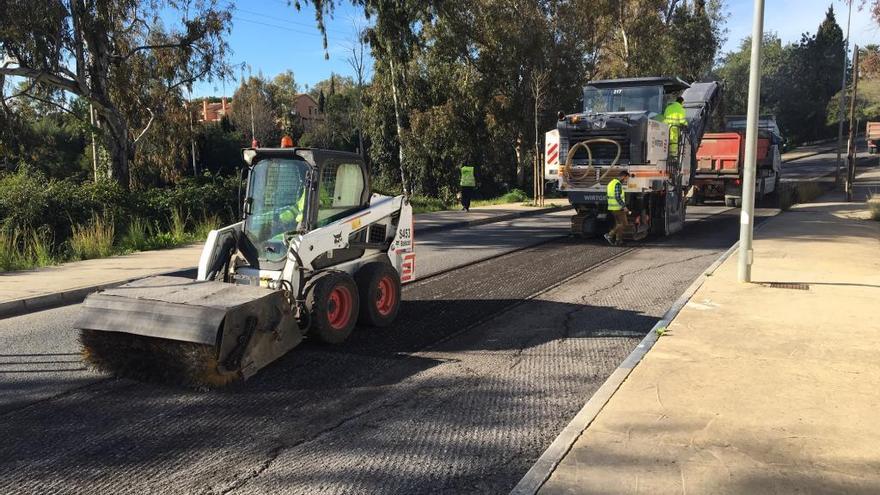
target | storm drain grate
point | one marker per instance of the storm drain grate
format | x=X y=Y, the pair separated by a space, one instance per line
x=780 y=285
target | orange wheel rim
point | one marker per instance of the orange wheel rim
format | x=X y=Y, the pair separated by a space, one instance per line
x=339 y=307
x=387 y=297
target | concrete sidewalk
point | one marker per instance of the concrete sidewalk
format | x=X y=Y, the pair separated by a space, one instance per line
x=32 y=290
x=770 y=387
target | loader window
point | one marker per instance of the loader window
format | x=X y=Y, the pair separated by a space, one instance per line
x=276 y=197
x=341 y=192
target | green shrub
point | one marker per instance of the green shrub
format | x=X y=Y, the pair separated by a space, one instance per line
x=92 y=240
x=21 y=250
x=177 y=226
x=40 y=249
x=137 y=235
x=205 y=226
x=12 y=256
x=423 y=204
x=515 y=196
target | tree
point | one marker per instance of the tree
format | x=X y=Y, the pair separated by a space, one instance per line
x=254 y=111
x=93 y=48
x=733 y=70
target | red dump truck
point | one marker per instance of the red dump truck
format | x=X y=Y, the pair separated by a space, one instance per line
x=720 y=160
x=872 y=134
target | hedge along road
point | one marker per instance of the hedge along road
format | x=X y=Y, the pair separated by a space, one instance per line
x=486 y=364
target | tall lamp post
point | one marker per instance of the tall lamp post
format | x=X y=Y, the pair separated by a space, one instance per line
x=747 y=215
x=842 y=96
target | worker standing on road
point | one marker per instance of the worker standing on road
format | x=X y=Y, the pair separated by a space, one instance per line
x=674 y=117
x=617 y=207
x=468 y=183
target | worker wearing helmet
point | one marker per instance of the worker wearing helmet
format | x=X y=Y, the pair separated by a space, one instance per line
x=674 y=117
x=468 y=183
x=617 y=208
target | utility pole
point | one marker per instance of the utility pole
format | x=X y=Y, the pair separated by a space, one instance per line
x=851 y=142
x=747 y=215
x=842 y=97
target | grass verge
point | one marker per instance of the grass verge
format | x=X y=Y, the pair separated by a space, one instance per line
x=26 y=249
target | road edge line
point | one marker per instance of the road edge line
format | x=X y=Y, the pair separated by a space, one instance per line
x=544 y=467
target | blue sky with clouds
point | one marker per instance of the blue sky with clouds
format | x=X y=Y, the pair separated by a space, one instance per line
x=269 y=36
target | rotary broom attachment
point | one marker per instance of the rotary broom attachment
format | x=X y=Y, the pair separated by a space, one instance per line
x=180 y=331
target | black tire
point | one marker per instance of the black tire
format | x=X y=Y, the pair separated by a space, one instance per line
x=333 y=303
x=379 y=289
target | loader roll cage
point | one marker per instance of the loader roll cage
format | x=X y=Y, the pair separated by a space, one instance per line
x=300 y=189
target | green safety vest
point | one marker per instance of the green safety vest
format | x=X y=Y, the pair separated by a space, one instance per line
x=613 y=205
x=467 y=177
x=288 y=215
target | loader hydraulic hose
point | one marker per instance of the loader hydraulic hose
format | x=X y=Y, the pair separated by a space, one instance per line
x=300 y=298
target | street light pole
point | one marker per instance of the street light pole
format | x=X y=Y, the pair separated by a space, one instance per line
x=747 y=215
x=842 y=96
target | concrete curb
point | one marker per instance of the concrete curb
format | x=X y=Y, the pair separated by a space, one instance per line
x=42 y=302
x=535 y=478
x=484 y=221
x=808 y=155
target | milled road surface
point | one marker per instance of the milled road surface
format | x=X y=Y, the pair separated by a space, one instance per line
x=485 y=366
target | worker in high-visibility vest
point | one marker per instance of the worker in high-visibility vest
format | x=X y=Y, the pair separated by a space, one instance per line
x=468 y=183
x=293 y=214
x=617 y=208
x=674 y=117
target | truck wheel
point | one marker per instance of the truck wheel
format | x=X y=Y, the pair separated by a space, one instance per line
x=379 y=289
x=332 y=301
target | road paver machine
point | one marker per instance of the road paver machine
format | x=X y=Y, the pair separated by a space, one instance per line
x=621 y=128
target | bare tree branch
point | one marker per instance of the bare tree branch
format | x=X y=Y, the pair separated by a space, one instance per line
x=146 y=127
x=22 y=92
x=46 y=77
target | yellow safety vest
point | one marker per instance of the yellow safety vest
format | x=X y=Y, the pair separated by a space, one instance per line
x=674 y=116
x=613 y=205
x=287 y=215
x=467 y=177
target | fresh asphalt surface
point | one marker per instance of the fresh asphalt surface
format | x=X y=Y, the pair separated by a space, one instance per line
x=462 y=394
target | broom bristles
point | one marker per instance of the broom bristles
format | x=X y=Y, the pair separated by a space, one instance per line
x=156 y=360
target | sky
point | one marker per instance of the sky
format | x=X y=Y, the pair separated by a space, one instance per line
x=269 y=36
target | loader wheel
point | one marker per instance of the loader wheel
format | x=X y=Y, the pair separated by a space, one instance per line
x=332 y=301
x=379 y=288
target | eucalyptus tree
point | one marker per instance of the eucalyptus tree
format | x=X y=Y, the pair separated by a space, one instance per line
x=124 y=57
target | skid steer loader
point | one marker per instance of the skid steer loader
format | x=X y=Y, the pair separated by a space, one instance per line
x=314 y=254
